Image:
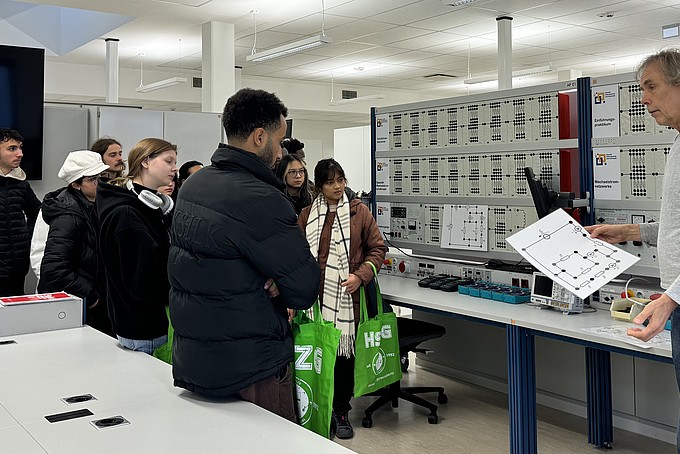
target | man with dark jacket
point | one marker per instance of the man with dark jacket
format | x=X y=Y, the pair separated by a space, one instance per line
x=19 y=211
x=234 y=231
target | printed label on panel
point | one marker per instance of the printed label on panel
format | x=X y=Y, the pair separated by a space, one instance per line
x=607 y=173
x=605 y=104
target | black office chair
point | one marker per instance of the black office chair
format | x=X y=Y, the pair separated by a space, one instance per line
x=411 y=334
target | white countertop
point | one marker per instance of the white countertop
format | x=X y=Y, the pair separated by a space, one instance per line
x=406 y=291
x=42 y=368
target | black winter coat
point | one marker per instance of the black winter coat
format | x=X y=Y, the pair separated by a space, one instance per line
x=71 y=261
x=232 y=230
x=134 y=243
x=19 y=209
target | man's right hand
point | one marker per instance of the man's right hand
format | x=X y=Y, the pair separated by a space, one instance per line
x=614 y=233
x=656 y=313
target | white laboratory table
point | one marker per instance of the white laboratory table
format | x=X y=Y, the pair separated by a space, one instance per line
x=522 y=323
x=42 y=368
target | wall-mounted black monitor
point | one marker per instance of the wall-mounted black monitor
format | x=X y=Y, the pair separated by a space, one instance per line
x=544 y=198
x=22 y=85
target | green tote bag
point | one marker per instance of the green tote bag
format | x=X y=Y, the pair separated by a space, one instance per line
x=377 y=361
x=164 y=352
x=316 y=346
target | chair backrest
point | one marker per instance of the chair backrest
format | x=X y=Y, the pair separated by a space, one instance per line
x=413 y=332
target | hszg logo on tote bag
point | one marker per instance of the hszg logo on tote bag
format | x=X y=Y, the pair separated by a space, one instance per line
x=305 y=351
x=305 y=400
x=316 y=346
x=378 y=363
x=372 y=338
x=305 y=395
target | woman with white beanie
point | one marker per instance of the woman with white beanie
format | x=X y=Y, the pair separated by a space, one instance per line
x=71 y=261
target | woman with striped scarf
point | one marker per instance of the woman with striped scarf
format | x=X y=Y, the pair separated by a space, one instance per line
x=342 y=236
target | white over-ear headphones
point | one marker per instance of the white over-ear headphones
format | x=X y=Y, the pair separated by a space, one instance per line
x=154 y=201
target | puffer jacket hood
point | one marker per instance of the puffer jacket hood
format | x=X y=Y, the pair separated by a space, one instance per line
x=62 y=200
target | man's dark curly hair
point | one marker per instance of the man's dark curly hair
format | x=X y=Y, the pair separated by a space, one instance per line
x=10 y=134
x=249 y=109
x=292 y=145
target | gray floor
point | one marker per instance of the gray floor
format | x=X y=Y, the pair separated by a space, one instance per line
x=474 y=421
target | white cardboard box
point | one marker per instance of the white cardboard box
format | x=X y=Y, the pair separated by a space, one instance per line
x=43 y=312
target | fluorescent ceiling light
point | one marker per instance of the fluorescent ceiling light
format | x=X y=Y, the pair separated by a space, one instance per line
x=342 y=102
x=161 y=84
x=670 y=31
x=519 y=73
x=290 y=48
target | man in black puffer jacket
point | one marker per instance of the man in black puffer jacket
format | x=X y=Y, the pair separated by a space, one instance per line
x=234 y=231
x=19 y=211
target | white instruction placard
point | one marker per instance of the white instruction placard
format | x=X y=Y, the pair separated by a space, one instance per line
x=607 y=173
x=605 y=104
x=382 y=176
x=382 y=132
x=383 y=218
x=562 y=250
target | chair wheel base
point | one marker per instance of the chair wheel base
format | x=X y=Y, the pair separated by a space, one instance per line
x=367 y=422
x=433 y=419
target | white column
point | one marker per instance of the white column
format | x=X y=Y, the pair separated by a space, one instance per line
x=504 y=26
x=237 y=78
x=112 y=70
x=218 y=65
x=569 y=74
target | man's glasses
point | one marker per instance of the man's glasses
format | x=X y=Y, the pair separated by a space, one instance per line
x=296 y=173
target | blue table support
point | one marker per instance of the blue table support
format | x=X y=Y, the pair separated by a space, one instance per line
x=521 y=390
x=599 y=394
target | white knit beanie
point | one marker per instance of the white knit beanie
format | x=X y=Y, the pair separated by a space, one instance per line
x=83 y=163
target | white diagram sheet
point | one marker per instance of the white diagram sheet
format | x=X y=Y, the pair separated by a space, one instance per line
x=618 y=332
x=562 y=249
x=465 y=227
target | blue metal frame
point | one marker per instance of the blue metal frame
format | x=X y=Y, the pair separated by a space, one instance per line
x=522 y=390
x=585 y=136
x=522 y=381
x=374 y=206
x=599 y=397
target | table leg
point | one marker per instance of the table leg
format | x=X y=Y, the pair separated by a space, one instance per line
x=599 y=394
x=521 y=390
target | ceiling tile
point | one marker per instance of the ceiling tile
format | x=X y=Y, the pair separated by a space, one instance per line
x=413 y=12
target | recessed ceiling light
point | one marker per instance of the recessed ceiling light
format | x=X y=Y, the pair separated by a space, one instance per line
x=457 y=2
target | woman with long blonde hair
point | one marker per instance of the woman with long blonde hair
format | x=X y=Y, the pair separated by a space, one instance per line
x=134 y=243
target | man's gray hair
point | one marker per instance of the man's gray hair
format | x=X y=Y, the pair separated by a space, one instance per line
x=669 y=63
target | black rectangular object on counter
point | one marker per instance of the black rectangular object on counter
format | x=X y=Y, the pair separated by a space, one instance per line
x=58 y=417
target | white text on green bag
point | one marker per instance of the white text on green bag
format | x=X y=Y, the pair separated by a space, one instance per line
x=302 y=363
x=372 y=338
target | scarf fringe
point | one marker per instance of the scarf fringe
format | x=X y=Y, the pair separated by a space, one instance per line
x=346 y=346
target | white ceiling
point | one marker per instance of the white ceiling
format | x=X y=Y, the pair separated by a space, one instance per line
x=396 y=42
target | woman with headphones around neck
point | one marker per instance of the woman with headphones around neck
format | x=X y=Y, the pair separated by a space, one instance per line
x=343 y=237
x=134 y=243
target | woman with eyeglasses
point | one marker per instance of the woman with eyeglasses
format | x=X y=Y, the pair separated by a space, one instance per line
x=293 y=173
x=71 y=260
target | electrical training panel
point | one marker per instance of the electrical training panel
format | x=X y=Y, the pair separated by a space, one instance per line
x=450 y=173
x=630 y=151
